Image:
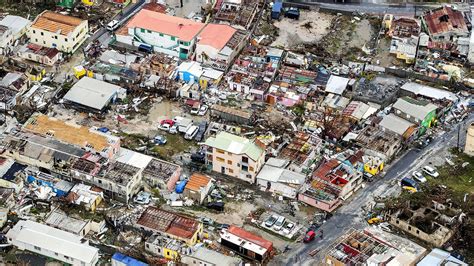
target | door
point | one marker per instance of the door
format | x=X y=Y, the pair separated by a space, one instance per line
x=223 y=169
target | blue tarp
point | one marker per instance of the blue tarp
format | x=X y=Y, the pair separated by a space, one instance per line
x=129 y=261
x=277 y=6
x=180 y=187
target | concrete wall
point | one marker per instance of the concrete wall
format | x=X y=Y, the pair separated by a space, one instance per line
x=322 y=205
x=469 y=148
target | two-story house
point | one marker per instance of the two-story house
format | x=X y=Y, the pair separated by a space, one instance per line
x=234 y=156
x=55 y=30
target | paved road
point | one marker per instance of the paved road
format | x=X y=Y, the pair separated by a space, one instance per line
x=351 y=214
x=407 y=9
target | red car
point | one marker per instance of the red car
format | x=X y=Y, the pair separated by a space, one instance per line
x=167 y=121
x=310 y=235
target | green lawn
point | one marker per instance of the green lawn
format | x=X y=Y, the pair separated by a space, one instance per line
x=176 y=144
x=459 y=179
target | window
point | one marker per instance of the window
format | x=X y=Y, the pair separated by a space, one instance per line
x=42 y=33
x=161 y=34
x=220 y=151
x=34 y=31
x=245 y=160
x=65 y=39
x=173 y=38
x=36 y=40
x=245 y=168
x=409 y=228
x=229 y=162
x=66 y=257
x=56 y=254
x=251 y=169
x=167 y=253
x=56 y=37
x=148 y=245
x=37 y=248
x=149 y=31
x=142 y=30
x=219 y=159
x=230 y=171
x=44 y=42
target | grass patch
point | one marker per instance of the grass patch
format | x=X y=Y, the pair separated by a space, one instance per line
x=176 y=144
x=459 y=179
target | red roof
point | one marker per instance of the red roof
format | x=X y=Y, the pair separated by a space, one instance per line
x=216 y=35
x=324 y=169
x=445 y=19
x=184 y=29
x=237 y=231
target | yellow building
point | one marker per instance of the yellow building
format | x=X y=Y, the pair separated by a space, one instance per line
x=235 y=156
x=373 y=165
x=55 y=30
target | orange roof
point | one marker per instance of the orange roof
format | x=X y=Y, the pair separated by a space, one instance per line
x=55 y=22
x=257 y=240
x=184 y=29
x=216 y=35
x=196 y=181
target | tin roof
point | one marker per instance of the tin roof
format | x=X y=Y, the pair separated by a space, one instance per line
x=445 y=19
x=56 y=22
x=196 y=181
x=241 y=233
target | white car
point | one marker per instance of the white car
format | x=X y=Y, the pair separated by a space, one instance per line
x=279 y=223
x=165 y=127
x=174 y=129
x=418 y=177
x=203 y=110
x=288 y=228
x=430 y=171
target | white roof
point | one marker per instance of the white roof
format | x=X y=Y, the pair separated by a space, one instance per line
x=395 y=124
x=92 y=93
x=212 y=73
x=282 y=175
x=440 y=257
x=215 y=257
x=336 y=84
x=15 y=23
x=133 y=158
x=193 y=68
x=429 y=92
x=55 y=240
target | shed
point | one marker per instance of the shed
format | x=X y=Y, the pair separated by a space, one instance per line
x=337 y=85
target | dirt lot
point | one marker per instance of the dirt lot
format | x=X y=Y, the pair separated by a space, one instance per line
x=310 y=28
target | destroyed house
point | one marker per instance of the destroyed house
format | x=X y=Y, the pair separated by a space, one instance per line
x=247 y=244
x=118 y=180
x=404 y=33
x=170 y=224
x=40 y=151
x=12 y=85
x=435 y=225
x=294 y=75
x=275 y=177
x=258 y=61
x=445 y=24
x=373 y=247
x=404 y=28
x=377 y=141
x=89 y=139
x=162 y=174
x=59 y=187
x=239 y=14
x=55 y=30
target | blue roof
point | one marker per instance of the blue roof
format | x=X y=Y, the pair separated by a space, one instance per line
x=129 y=261
x=15 y=168
x=277 y=6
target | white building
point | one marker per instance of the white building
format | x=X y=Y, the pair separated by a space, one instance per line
x=55 y=30
x=16 y=24
x=276 y=178
x=163 y=33
x=53 y=243
x=6 y=40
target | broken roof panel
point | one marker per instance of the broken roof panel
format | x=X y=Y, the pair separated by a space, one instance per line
x=445 y=19
x=92 y=93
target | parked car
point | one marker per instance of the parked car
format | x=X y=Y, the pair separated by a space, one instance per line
x=368 y=177
x=167 y=121
x=174 y=129
x=198 y=157
x=223 y=226
x=217 y=206
x=196 y=108
x=310 y=235
x=113 y=25
x=279 y=223
x=430 y=171
x=191 y=132
x=202 y=129
x=142 y=198
x=288 y=227
x=271 y=221
x=203 y=110
x=165 y=127
x=409 y=185
x=207 y=221
x=418 y=177
x=160 y=140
